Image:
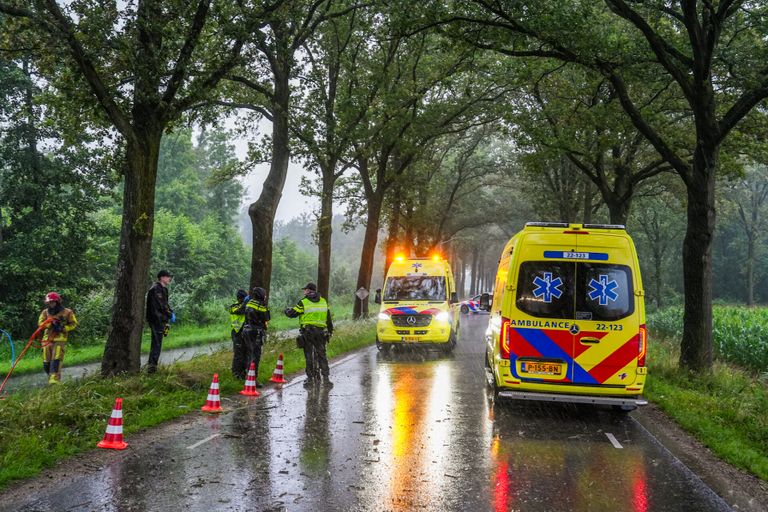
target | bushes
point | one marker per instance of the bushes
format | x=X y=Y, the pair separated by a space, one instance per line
x=740 y=334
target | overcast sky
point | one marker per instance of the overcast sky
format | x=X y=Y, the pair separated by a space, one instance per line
x=292 y=204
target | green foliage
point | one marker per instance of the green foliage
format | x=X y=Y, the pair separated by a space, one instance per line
x=740 y=334
x=49 y=193
x=292 y=268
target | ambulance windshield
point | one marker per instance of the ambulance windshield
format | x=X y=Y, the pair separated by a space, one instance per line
x=409 y=288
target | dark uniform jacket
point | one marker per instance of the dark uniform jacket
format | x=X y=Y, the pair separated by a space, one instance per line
x=256 y=314
x=158 y=310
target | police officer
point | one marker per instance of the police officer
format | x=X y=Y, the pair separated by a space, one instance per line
x=159 y=313
x=316 y=328
x=237 y=321
x=61 y=321
x=255 y=330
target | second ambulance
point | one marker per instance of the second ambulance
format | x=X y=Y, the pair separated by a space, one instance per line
x=418 y=305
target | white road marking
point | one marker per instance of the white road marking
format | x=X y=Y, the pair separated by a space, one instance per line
x=613 y=440
x=193 y=446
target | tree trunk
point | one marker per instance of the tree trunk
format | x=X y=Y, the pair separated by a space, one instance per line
x=122 y=352
x=618 y=210
x=475 y=268
x=657 y=261
x=392 y=244
x=696 y=346
x=587 y=203
x=750 y=270
x=262 y=211
x=324 y=236
x=366 y=257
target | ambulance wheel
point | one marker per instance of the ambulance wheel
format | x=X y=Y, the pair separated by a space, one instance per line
x=624 y=409
x=464 y=309
x=491 y=378
x=451 y=343
x=383 y=347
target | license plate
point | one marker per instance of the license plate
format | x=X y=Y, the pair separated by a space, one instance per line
x=410 y=338
x=541 y=368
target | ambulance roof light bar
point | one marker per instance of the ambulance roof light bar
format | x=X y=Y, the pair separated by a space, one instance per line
x=604 y=226
x=547 y=224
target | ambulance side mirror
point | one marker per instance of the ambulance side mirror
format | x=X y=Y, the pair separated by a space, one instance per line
x=485 y=302
x=454 y=298
x=377 y=297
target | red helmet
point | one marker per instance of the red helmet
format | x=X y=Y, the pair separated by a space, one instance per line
x=53 y=296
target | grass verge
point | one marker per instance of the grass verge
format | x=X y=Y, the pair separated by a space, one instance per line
x=726 y=410
x=41 y=427
x=180 y=337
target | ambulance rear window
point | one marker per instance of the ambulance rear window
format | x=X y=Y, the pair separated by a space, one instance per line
x=545 y=289
x=603 y=292
x=430 y=288
x=571 y=290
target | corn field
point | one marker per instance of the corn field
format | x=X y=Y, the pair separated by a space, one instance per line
x=740 y=334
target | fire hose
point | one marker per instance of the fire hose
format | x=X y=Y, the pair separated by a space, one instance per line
x=29 y=344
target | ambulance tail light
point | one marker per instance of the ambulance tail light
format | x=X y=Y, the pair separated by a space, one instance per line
x=399 y=257
x=504 y=339
x=642 y=339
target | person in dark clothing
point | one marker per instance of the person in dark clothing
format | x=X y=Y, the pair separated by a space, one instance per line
x=315 y=328
x=237 y=322
x=255 y=330
x=159 y=314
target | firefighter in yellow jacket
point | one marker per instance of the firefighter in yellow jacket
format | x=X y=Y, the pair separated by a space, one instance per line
x=55 y=335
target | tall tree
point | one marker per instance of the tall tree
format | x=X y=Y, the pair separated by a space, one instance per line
x=264 y=87
x=425 y=90
x=325 y=119
x=750 y=195
x=574 y=112
x=144 y=64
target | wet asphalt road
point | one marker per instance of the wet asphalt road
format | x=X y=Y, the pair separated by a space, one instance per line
x=407 y=431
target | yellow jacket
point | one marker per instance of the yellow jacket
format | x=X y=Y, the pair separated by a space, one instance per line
x=66 y=316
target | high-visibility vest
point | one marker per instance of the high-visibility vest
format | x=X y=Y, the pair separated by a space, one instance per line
x=313 y=313
x=236 y=320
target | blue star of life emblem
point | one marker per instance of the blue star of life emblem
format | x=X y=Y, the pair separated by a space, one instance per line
x=603 y=290
x=416 y=266
x=547 y=287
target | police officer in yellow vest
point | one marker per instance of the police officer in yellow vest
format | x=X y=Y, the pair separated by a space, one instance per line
x=257 y=318
x=236 y=321
x=316 y=328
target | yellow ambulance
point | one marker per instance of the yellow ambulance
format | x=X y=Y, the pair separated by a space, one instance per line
x=568 y=317
x=418 y=304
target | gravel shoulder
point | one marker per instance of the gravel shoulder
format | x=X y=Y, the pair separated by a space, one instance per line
x=738 y=488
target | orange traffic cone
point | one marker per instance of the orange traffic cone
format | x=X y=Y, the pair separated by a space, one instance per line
x=213 y=403
x=277 y=375
x=113 y=438
x=250 y=382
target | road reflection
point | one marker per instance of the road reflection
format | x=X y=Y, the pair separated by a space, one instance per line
x=315 y=440
x=536 y=468
x=413 y=397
